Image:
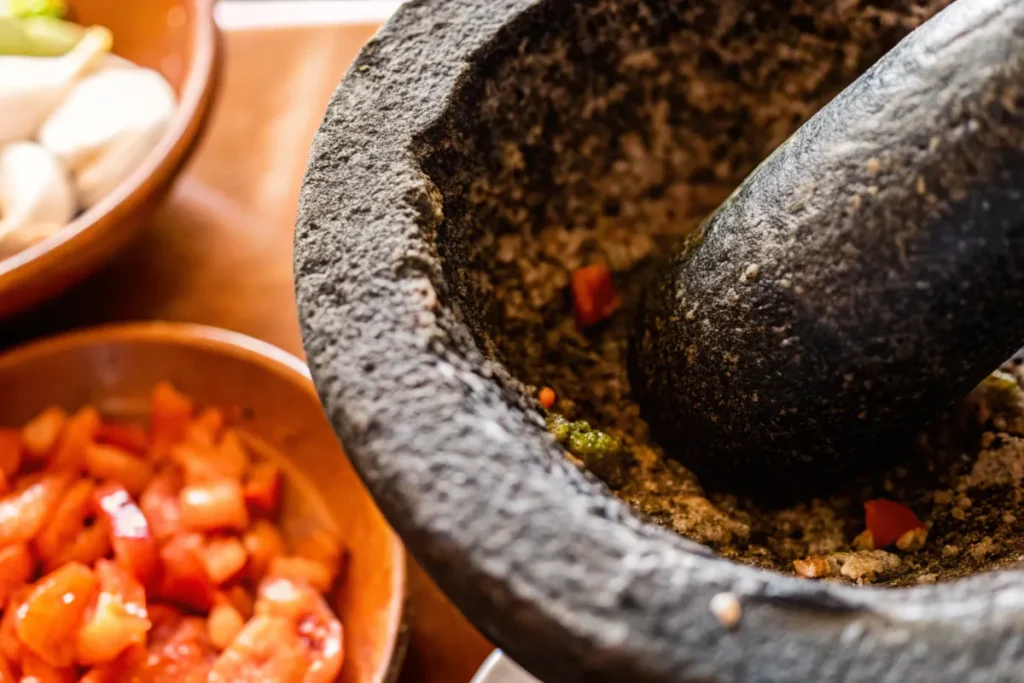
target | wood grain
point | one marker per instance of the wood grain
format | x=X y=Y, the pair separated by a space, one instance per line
x=219 y=252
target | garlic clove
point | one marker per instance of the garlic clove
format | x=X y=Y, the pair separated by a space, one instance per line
x=107 y=125
x=32 y=87
x=36 y=194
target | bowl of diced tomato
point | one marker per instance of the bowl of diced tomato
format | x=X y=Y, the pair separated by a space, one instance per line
x=174 y=506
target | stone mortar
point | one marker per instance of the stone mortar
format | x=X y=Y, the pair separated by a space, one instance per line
x=465 y=120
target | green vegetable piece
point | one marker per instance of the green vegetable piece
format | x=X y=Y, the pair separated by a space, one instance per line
x=560 y=427
x=603 y=454
x=55 y=9
x=38 y=36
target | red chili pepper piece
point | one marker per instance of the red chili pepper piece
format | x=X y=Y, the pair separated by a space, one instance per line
x=888 y=520
x=594 y=295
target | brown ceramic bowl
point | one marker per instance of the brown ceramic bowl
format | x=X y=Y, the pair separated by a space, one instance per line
x=178 y=38
x=115 y=367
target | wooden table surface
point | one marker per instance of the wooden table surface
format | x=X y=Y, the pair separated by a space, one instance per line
x=219 y=252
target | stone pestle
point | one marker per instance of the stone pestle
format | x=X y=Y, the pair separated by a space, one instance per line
x=861 y=280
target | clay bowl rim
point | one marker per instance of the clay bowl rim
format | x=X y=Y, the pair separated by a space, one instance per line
x=194 y=105
x=250 y=351
x=634 y=600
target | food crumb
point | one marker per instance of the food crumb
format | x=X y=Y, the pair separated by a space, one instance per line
x=913 y=539
x=927 y=578
x=865 y=540
x=950 y=550
x=868 y=565
x=727 y=609
x=983 y=548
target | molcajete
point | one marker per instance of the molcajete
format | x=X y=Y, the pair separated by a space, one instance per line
x=468 y=133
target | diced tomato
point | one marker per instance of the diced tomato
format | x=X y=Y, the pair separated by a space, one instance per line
x=170 y=415
x=130 y=436
x=224 y=558
x=204 y=431
x=198 y=466
x=91 y=543
x=161 y=505
x=263 y=489
x=224 y=624
x=263 y=542
x=116 y=620
x=53 y=612
x=79 y=432
x=302 y=570
x=10 y=451
x=41 y=434
x=112 y=463
x=183 y=579
x=10 y=645
x=179 y=652
x=594 y=295
x=267 y=649
x=214 y=505
x=23 y=513
x=239 y=598
x=888 y=520
x=319 y=630
x=7 y=672
x=122 y=669
x=67 y=520
x=16 y=569
x=135 y=548
x=320 y=545
x=35 y=669
x=231 y=456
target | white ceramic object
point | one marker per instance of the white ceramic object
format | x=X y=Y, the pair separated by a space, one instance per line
x=500 y=669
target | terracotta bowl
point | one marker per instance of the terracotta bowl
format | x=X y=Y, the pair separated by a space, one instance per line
x=115 y=367
x=178 y=38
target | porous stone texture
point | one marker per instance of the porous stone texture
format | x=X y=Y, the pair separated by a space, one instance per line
x=466 y=120
x=863 y=279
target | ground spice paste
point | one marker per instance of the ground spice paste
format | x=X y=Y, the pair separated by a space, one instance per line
x=965 y=483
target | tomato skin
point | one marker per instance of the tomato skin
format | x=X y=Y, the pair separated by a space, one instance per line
x=888 y=520
x=135 y=549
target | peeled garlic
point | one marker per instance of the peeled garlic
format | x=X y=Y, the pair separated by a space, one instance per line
x=107 y=125
x=36 y=196
x=32 y=87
